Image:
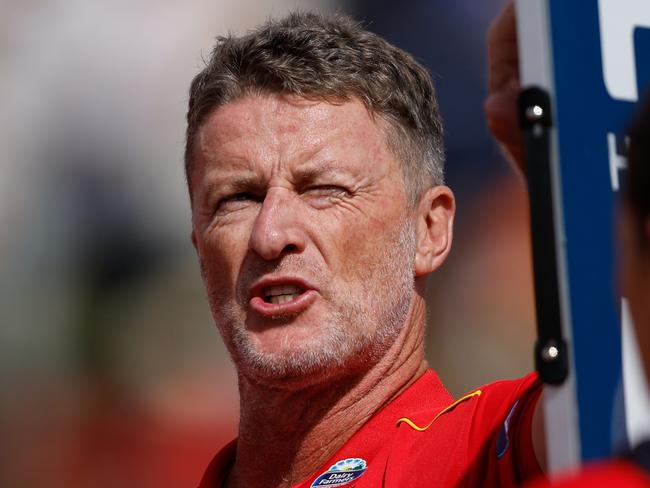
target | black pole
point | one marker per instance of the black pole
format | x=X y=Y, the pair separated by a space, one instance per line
x=551 y=352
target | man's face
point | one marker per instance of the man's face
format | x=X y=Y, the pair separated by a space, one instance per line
x=305 y=239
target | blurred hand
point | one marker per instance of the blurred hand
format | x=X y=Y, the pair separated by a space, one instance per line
x=503 y=85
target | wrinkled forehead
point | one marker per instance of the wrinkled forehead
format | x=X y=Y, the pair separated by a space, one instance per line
x=289 y=127
x=276 y=116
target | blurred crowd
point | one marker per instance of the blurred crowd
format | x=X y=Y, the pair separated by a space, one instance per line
x=112 y=373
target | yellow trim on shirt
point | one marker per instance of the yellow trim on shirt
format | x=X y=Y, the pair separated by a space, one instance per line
x=414 y=426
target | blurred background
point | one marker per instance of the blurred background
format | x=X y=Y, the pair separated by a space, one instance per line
x=111 y=370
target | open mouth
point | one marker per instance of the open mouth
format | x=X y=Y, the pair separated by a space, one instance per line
x=281 y=297
x=278 y=294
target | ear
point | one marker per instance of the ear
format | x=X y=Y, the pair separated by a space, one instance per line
x=434 y=229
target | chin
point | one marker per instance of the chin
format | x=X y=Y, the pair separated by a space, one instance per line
x=305 y=364
x=280 y=372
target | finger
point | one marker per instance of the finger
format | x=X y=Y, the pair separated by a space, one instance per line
x=503 y=59
x=501 y=113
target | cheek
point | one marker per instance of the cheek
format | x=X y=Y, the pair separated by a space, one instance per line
x=222 y=253
x=361 y=242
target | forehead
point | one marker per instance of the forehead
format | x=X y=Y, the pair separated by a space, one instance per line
x=281 y=127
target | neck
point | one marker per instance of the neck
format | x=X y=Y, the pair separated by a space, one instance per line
x=285 y=435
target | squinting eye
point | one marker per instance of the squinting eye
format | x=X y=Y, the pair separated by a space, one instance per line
x=327 y=191
x=240 y=197
x=236 y=201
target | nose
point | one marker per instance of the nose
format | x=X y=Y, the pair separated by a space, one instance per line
x=278 y=228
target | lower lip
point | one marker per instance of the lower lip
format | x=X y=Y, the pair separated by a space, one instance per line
x=278 y=310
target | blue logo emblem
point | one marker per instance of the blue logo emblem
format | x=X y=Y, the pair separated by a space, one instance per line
x=342 y=473
x=503 y=439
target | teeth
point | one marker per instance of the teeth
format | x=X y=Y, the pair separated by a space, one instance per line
x=282 y=298
x=279 y=290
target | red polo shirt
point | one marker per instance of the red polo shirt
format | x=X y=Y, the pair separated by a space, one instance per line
x=611 y=474
x=425 y=439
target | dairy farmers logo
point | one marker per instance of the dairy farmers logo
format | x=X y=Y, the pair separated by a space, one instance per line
x=342 y=473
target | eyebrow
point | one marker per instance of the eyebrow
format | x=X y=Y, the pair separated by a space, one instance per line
x=235 y=180
x=226 y=168
x=312 y=169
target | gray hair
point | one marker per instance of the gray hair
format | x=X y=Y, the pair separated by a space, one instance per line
x=329 y=58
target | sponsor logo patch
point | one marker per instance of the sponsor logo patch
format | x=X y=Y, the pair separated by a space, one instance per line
x=342 y=473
